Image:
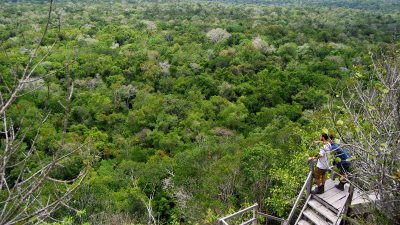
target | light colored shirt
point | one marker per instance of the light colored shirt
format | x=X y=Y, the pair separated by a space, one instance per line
x=323 y=161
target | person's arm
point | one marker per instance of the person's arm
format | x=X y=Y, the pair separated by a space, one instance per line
x=316 y=157
x=322 y=153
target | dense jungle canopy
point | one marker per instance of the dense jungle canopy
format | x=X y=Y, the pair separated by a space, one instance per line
x=190 y=109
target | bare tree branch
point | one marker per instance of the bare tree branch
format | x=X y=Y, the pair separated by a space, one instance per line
x=22 y=190
x=372 y=129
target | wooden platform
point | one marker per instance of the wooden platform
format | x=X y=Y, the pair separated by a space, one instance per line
x=362 y=198
x=333 y=196
x=337 y=198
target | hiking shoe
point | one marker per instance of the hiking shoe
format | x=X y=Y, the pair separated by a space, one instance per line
x=340 y=186
x=318 y=190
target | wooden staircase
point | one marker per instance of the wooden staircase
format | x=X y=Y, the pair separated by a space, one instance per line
x=327 y=208
x=317 y=211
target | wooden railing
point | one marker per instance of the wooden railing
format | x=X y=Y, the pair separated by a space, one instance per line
x=253 y=220
x=306 y=188
x=344 y=211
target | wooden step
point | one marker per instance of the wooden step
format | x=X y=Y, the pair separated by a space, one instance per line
x=315 y=218
x=303 y=222
x=302 y=210
x=321 y=209
x=326 y=204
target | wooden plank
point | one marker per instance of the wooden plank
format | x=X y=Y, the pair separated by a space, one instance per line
x=310 y=214
x=303 y=222
x=271 y=217
x=357 y=194
x=329 y=193
x=321 y=209
x=345 y=208
x=309 y=177
x=329 y=184
x=324 y=203
x=249 y=221
x=373 y=197
x=339 y=203
x=332 y=199
x=222 y=222
x=361 y=198
x=240 y=212
x=302 y=210
x=339 y=221
x=359 y=201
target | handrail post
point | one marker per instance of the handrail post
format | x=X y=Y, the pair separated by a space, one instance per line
x=311 y=165
x=222 y=222
x=349 y=198
x=255 y=209
x=306 y=188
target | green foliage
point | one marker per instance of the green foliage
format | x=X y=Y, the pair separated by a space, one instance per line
x=195 y=129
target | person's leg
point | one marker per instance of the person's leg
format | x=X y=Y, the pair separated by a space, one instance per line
x=318 y=173
x=342 y=178
x=323 y=179
x=315 y=176
x=318 y=181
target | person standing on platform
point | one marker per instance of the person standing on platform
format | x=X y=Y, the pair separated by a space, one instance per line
x=322 y=167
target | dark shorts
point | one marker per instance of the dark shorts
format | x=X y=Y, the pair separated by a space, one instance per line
x=317 y=173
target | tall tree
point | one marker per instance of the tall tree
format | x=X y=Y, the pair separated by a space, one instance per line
x=28 y=172
x=369 y=124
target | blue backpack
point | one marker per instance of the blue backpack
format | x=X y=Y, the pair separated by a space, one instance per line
x=341 y=153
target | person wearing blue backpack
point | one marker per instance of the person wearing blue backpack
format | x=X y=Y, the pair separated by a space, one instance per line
x=340 y=160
